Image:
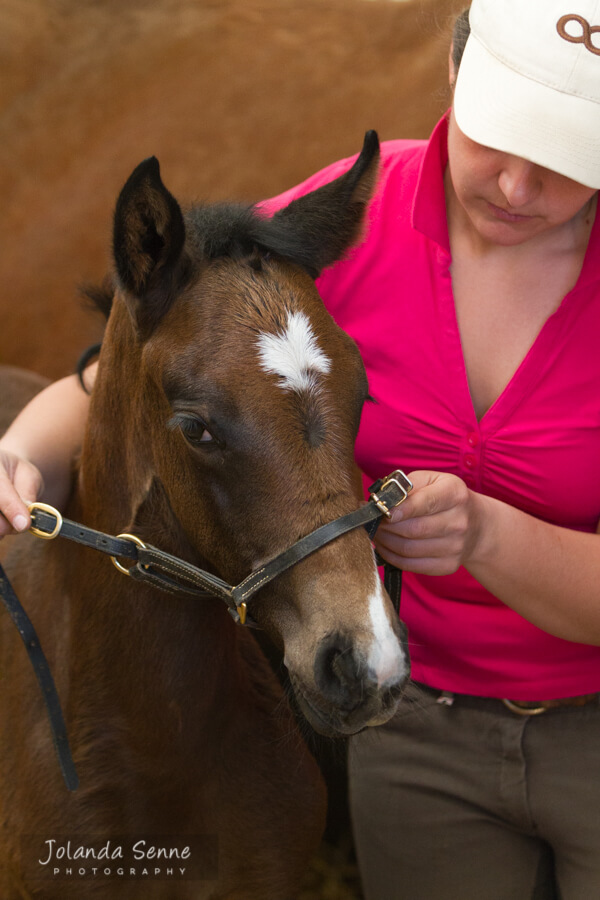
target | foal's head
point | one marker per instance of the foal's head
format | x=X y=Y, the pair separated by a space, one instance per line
x=247 y=403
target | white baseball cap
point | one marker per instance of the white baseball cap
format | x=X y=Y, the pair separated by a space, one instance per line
x=529 y=83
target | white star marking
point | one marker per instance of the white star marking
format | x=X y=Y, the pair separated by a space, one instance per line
x=294 y=354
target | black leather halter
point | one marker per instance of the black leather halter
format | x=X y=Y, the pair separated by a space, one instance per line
x=169 y=573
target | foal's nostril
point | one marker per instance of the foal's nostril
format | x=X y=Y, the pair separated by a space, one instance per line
x=344 y=668
x=339 y=674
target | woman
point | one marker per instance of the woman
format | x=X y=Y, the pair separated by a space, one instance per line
x=475 y=301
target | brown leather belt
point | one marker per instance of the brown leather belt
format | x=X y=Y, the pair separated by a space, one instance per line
x=534 y=708
x=517 y=707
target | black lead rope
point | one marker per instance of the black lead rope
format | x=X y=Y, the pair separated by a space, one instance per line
x=169 y=573
x=45 y=680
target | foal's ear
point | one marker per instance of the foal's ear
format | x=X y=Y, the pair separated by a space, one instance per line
x=148 y=238
x=318 y=228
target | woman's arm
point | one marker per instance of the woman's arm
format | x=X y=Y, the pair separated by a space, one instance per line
x=37 y=451
x=548 y=574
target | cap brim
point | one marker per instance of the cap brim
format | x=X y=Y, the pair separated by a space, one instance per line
x=500 y=108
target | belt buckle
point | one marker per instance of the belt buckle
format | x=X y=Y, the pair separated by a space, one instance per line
x=520 y=710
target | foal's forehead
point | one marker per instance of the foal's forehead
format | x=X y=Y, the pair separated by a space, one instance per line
x=284 y=331
x=262 y=340
x=267 y=320
x=262 y=299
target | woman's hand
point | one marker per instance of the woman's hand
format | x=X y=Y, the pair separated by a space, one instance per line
x=20 y=483
x=435 y=530
x=39 y=447
x=548 y=574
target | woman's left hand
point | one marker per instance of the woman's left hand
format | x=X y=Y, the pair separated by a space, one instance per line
x=435 y=530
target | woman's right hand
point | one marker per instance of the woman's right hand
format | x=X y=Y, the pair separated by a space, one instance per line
x=20 y=483
x=38 y=449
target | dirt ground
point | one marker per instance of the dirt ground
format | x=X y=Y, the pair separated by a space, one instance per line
x=333 y=873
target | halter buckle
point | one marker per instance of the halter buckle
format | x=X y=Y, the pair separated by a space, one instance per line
x=402 y=482
x=45 y=507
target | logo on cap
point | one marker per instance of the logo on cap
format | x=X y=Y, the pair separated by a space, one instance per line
x=585 y=37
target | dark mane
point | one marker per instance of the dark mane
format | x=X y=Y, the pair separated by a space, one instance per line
x=99 y=296
x=293 y=233
x=242 y=232
x=221 y=230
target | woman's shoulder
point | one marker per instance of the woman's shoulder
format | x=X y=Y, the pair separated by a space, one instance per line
x=401 y=162
x=402 y=152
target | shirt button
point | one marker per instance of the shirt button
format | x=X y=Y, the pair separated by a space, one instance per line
x=470 y=461
x=472 y=439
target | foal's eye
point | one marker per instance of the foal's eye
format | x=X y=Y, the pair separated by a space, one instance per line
x=196 y=432
x=193 y=429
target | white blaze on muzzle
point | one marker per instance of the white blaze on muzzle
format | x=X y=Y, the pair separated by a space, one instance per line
x=387 y=658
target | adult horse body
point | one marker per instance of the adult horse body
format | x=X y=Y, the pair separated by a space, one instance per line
x=230 y=95
x=221 y=429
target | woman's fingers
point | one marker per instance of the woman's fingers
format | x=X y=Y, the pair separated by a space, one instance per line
x=14 y=514
x=432 y=530
x=20 y=484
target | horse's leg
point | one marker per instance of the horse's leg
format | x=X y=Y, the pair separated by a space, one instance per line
x=17 y=387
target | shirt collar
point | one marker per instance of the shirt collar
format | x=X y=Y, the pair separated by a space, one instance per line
x=429 y=208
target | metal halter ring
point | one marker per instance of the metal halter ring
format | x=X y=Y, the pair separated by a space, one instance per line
x=45 y=507
x=127 y=537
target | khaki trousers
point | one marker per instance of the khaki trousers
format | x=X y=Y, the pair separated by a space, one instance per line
x=471 y=802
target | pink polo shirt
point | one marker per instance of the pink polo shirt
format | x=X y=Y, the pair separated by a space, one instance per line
x=537 y=448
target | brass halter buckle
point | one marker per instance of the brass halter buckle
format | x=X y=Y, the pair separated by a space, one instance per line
x=402 y=482
x=45 y=507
